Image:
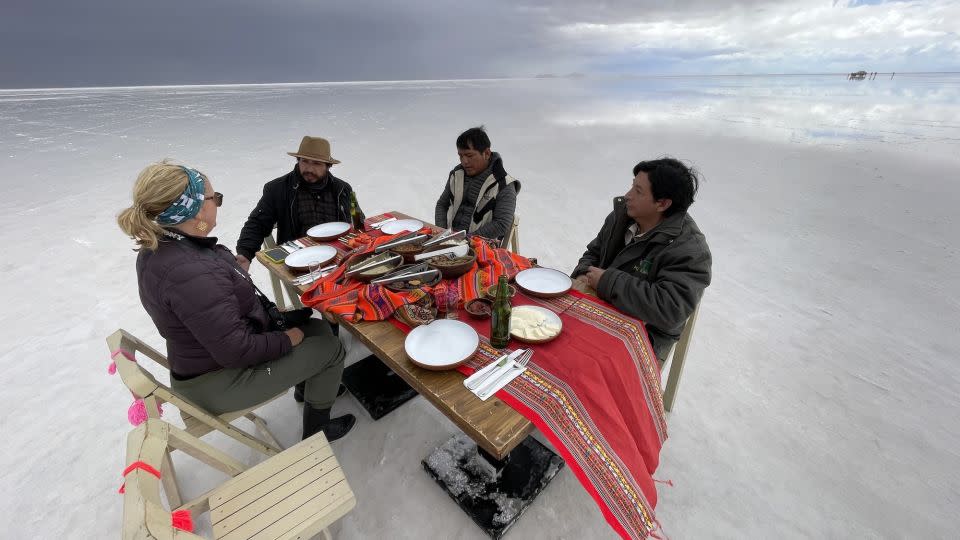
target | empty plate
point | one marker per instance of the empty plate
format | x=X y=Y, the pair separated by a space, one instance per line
x=402 y=225
x=534 y=324
x=302 y=258
x=442 y=344
x=544 y=282
x=328 y=231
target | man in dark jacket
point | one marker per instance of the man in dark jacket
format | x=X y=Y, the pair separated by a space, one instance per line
x=479 y=197
x=650 y=259
x=306 y=196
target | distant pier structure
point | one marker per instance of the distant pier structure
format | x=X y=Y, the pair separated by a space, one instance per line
x=861 y=75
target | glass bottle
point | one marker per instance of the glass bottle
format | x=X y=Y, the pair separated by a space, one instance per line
x=356 y=217
x=500 y=316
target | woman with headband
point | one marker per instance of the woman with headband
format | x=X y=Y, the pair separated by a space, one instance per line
x=222 y=355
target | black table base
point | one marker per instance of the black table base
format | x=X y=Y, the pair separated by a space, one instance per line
x=494 y=493
x=378 y=389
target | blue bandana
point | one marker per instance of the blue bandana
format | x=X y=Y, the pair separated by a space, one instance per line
x=188 y=204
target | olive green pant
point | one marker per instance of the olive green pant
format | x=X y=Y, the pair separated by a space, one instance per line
x=318 y=361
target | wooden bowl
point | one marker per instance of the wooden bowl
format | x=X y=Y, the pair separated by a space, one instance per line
x=456 y=268
x=404 y=286
x=479 y=308
x=373 y=273
x=414 y=315
x=491 y=291
x=408 y=251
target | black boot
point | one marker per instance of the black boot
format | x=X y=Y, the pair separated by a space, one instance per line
x=298 y=391
x=315 y=420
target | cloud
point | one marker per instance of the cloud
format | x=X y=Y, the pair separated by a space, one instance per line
x=784 y=37
x=115 y=42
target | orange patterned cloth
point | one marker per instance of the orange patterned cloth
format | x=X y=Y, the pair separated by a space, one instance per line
x=357 y=301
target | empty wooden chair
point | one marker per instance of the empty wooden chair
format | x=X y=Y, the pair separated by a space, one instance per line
x=197 y=421
x=295 y=494
x=676 y=358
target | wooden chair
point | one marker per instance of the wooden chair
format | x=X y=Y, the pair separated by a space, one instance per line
x=512 y=240
x=279 y=286
x=197 y=421
x=295 y=494
x=676 y=358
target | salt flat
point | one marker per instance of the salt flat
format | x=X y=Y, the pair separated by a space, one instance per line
x=821 y=393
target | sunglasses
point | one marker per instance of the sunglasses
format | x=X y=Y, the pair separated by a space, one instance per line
x=217 y=196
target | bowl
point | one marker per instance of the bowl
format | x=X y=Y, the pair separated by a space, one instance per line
x=479 y=308
x=407 y=251
x=414 y=315
x=403 y=286
x=491 y=291
x=375 y=272
x=455 y=268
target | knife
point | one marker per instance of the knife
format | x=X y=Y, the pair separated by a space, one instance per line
x=445 y=236
x=399 y=242
x=487 y=373
x=425 y=275
x=368 y=265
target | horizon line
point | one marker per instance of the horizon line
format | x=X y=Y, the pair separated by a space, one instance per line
x=544 y=76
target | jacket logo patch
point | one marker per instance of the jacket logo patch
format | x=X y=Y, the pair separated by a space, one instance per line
x=643 y=267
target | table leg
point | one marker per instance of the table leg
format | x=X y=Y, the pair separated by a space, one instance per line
x=378 y=389
x=494 y=493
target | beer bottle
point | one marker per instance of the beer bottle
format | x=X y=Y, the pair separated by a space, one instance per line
x=500 y=319
x=356 y=217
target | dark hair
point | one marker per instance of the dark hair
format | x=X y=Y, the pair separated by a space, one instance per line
x=670 y=179
x=474 y=138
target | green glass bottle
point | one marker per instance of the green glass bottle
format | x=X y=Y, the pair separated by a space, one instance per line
x=356 y=217
x=500 y=319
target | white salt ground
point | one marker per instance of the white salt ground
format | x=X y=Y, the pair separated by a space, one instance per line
x=820 y=398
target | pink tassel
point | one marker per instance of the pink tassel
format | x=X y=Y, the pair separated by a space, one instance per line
x=112 y=368
x=667 y=482
x=137 y=413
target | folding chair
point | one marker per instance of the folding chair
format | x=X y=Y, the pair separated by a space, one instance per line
x=279 y=286
x=676 y=358
x=295 y=494
x=197 y=421
x=512 y=240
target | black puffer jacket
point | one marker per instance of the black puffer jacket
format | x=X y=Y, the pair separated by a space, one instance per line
x=659 y=279
x=277 y=208
x=205 y=307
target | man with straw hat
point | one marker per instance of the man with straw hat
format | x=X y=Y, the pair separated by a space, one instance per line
x=306 y=196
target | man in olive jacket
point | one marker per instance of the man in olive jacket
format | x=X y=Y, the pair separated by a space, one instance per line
x=306 y=196
x=650 y=259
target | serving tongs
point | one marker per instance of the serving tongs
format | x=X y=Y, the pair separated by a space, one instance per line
x=418 y=271
x=378 y=260
x=445 y=236
x=410 y=238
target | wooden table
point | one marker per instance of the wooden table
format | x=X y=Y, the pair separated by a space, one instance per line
x=493 y=425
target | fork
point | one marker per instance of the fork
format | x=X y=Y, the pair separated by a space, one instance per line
x=517 y=366
x=504 y=360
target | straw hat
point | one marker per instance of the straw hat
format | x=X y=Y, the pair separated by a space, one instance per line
x=315 y=148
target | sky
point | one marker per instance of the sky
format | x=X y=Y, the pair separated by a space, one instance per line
x=61 y=43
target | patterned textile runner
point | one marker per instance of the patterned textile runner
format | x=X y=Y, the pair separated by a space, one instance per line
x=357 y=301
x=595 y=393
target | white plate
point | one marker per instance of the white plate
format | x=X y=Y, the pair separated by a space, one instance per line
x=301 y=258
x=402 y=225
x=551 y=318
x=545 y=282
x=328 y=231
x=442 y=344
